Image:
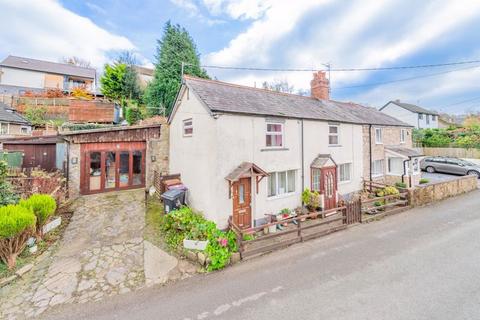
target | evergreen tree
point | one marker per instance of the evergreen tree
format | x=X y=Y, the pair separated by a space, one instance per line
x=175 y=47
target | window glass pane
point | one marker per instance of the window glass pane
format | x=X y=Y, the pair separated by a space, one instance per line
x=110 y=170
x=273 y=127
x=272 y=184
x=282 y=182
x=333 y=129
x=332 y=139
x=137 y=168
x=291 y=181
x=278 y=140
x=395 y=165
x=344 y=174
x=95 y=170
x=241 y=194
x=316 y=179
x=124 y=168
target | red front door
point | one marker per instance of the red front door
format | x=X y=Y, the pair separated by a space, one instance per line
x=328 y=187
x=242 y=198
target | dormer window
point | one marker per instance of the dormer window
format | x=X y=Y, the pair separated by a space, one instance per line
x=274 y=135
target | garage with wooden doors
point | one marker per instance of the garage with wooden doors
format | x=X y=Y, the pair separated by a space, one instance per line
x=37 y=152
x=115 y=158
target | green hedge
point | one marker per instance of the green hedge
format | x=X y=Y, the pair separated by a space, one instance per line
x=43 y=206
x=14 y=220
x=184 y=223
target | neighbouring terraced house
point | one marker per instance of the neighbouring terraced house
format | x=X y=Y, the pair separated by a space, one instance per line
x=249 y=152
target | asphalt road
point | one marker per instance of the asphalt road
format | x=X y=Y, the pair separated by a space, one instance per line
x=421 y=264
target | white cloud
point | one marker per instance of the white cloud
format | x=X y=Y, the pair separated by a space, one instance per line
x=46 y=30
x=238 y=9
x=365 y=33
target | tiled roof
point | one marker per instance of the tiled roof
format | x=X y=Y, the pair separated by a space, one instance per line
x=11 y=116
x=411 y=107
x=47 y=66
x=230 y=98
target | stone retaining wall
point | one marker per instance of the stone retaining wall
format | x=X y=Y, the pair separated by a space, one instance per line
x=428 y=193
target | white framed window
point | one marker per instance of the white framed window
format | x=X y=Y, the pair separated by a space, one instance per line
x=378 y=135
x=187 y=127
x=4 y=128
x=403 y=135
x=282 y=182
x=395 y=166
x=316 y=179
x=345 y=172
x=274 y=135
x=333 y=138
x=378 y=167
x=420 y=116
x=24 y=130
x=428 y=118
x=434 y=118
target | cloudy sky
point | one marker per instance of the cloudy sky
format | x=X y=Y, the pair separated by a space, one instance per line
x=274 y=34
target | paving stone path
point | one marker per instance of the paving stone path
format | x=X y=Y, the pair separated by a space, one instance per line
x=102 y=253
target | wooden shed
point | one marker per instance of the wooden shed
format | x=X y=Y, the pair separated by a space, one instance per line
x=38 y=152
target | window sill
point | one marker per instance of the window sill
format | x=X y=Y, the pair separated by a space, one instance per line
x=377 y=175
x=334 y=145
x=344 y=182
x=281 y=196
x=274 y=149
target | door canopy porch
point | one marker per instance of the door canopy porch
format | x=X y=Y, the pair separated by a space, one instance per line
x=402 y=152
x=245 y=170
x=323 y=161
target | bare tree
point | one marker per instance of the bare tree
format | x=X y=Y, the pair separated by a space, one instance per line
x=128 y=58
x=279 y=86
x=76 y=61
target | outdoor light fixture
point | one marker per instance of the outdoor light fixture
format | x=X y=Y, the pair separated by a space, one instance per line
x=153 y=158
x=74 y=160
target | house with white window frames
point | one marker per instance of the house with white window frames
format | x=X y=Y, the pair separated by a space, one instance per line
x=416 y=116
x=248 y=152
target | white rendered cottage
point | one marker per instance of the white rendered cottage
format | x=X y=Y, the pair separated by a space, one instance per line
x=416 y=116
x=248 y=152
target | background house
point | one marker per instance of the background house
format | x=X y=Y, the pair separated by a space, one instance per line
x=414 y=115
x=12 y=123
x=144 y=75
x=19 y=74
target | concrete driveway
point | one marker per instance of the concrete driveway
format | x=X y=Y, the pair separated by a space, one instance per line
x=441 y=177
x=102 y=253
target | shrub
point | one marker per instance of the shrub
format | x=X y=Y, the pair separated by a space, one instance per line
x=17 y=224
x=424 y=180
x=401 y=185
x=7 y=195
x=311 y=199
x=43 y=206
x=133 y=114
x=184 y=223
x=389 y=191
x=378 y=203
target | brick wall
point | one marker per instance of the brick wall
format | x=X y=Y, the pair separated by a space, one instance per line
x=158 y=148
x=390 y=137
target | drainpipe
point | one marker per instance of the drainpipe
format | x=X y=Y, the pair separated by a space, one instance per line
x=370 y=149
x=303 y=156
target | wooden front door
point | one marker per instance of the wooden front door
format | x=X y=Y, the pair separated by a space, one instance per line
x=242 y=198
x=329 y=187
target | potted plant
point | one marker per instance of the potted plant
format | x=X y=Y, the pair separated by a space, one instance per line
x=268 y=220
x=301 y=212
x=285 y=214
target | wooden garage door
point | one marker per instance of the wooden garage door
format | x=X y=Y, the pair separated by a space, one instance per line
x=35 y=155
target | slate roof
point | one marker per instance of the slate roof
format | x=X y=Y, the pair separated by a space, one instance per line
x=11 y=116
x=411 y=107
x=406 y=152
x=47 y=66
x=230 y=98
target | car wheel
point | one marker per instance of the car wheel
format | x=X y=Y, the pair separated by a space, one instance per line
x=430 y=169
x=474 y=173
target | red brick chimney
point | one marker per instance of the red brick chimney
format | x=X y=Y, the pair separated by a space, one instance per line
x=319 y=86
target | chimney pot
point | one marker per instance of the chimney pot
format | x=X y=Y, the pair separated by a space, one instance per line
x=320 y=86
